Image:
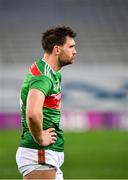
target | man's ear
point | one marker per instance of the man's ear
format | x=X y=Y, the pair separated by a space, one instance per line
x=56 y=49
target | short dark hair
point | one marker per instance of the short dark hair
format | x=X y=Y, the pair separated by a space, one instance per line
x=56 y=36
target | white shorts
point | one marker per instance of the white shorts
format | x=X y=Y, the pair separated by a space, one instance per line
x=33 y=159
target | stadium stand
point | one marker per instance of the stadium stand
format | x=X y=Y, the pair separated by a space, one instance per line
x=102 y=45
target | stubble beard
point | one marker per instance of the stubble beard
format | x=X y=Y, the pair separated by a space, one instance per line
x=64 y=62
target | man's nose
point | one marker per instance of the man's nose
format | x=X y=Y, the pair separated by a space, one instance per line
x=74 y=52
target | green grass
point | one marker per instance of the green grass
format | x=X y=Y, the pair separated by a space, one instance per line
x=98 y=154
x=88 y=155
x=8 y=145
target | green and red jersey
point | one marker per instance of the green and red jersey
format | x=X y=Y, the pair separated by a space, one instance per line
x=42 y=77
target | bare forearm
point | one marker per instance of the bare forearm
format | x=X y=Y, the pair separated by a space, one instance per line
x=42 y=137
x=35 y=126
x=34 y=117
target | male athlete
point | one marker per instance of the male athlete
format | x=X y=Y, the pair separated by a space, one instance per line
x=40 y=154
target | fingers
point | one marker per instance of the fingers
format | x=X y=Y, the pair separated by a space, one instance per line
x=53 y=140
x=49 y=136
x=51 y=129
x=53 y=137
x=53 y=134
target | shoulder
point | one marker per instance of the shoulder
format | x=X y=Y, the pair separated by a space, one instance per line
x=41 y=68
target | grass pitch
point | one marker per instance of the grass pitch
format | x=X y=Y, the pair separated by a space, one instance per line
x=88 y=155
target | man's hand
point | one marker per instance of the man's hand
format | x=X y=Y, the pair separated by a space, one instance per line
x=48 y=137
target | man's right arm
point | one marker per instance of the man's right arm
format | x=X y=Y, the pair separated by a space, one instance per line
x=34 y=117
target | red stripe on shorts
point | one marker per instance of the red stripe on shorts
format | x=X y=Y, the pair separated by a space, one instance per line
x=41 y=157
x=44 y=157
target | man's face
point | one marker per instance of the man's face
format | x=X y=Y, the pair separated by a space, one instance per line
x=67 y=52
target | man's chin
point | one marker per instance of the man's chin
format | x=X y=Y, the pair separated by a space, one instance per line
x=68 y=62
x=73 y=60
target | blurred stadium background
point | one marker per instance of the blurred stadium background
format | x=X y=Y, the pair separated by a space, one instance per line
x=95 y=88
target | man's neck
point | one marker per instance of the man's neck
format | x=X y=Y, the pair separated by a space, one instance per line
x=52 y=61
